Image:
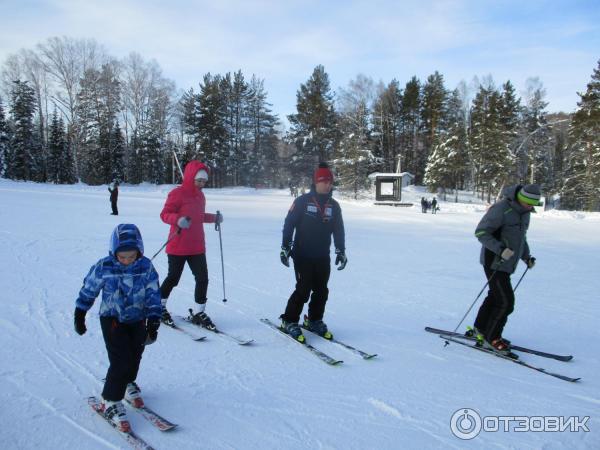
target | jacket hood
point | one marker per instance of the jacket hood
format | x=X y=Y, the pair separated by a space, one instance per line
x=510 y=193
x=190 y=171
x=125 y=236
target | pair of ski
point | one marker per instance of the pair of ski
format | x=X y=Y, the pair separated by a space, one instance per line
x=195 y=337
x=318 y=353
x=130 y=436
x=461 y=339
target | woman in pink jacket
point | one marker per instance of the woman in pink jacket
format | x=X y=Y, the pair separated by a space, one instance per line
x=184 y=211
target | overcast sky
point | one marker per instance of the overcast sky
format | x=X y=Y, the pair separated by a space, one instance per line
x=282 y=41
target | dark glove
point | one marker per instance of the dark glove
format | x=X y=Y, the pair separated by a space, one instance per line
x=285 y=256
x=80 y=328
x=152 y=330
x=341 y=259
x=184 y=222
x=530 y=261
x=219 y=218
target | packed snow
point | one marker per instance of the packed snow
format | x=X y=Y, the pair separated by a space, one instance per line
x=406 y=270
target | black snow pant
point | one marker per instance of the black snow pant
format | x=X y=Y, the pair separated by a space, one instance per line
x=113 y=205
x=198 y=267
x=125 y=345
x=311 y=275
x=497 y=306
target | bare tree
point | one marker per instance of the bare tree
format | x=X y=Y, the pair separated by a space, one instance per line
x=66 y=60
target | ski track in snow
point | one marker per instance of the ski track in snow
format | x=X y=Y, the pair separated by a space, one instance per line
x=420 y=424
x=406 y=270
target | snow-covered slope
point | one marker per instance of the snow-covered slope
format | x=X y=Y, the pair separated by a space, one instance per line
x=406 y=270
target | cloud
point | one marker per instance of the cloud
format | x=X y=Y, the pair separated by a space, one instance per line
x=282 y=42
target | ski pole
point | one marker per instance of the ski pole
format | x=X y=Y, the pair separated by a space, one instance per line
x=218 y=228
x=521 y=279
x=473 y=304
x=165 y=244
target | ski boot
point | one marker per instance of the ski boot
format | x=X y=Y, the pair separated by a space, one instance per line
x=293 y=329
x=499 y=346
x=115 y=413
x=473 y=332
x=166 y=318
x=318 y=327
x=202 y=319
x=132 y=395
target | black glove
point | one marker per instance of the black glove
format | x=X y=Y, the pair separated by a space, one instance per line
x=219 y=218
x=152 y=330
x=285 y=256
x=530 y=261
x=80 y=328
x=341 y=259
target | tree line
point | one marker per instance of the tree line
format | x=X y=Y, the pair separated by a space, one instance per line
x=75 y=113
x=477 y=137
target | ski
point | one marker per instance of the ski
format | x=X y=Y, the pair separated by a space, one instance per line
x=133 y=439
x=516 y=361
x=193 y=336
x=154 y=418
x=513 y=347
x=236 y=339
x=315 y=351
x=362 y=354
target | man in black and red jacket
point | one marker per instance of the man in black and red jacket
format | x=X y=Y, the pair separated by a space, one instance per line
x=314 y=217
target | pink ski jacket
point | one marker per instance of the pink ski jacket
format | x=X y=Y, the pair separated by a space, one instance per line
x=187 y=200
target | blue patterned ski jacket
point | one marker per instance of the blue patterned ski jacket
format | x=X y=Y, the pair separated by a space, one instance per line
x=129 y=293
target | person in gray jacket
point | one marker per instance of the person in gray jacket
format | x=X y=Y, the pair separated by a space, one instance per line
x=503 y=234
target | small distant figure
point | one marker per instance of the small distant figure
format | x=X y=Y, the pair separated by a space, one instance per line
x=434 y=207
x=114 y=196
x=423 y=205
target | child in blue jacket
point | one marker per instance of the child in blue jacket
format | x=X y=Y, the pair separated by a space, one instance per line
x=129 y=316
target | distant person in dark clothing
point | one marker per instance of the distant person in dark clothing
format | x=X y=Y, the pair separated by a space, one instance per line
x=114 y=196
x=433 y=205
x=423 y=205
x=314 y=217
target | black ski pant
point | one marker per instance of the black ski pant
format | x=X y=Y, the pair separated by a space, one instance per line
x=113 y=205
x=125 y=345
x=312 y=275
x=197 y=264
x=497 y=306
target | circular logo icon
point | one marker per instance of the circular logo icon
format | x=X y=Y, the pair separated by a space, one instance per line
x=465 y=423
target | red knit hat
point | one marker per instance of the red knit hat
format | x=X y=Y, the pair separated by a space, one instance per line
x=323 y=173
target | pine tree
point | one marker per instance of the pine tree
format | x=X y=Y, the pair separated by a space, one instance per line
x=213 y=138
x=262 y=146
x=313 y=127
x=20 y=164
x=582 y=183
x=510 y=112
x=99 y=104
x=4 y=141
x=117 y=153
x=446 y=165
x=433 y=119
x=410 y=123
x=56 y=148
x=489 y=142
